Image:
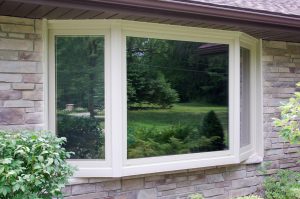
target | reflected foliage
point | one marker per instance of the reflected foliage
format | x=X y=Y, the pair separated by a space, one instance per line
x=80 y=94
x=166 y=80
x=85 y=135
x=180 y=139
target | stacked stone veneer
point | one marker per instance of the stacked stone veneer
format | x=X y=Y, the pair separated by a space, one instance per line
x=21 y=82
x=21 y=106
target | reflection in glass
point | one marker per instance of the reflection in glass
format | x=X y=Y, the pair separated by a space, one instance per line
x=80 y=94
x=177 y=94
x=245 y=97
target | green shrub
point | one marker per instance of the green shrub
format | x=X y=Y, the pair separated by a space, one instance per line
x=249 y=197
x=32 y=165
x=283 y=185
x=289 y=121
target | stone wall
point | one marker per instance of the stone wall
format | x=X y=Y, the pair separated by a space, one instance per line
x=21 y=80
x=21 y=106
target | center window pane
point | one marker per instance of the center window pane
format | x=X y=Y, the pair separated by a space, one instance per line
x=177 y=96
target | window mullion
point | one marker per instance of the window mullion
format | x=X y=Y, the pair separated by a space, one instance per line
x=116 y=98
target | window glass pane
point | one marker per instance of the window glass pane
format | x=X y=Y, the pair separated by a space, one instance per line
x=245 y=97
x=80 y=94
x=177 y=95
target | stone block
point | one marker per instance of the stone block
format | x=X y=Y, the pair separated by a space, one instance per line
x=246 y=182
x=23 y=86
x=74 y=181
x=277 y=44
x=281 y=59
x=83 y=189
x=18 y=103
x=147 y=194
x=10 y=77
x=8 y=55
x=112 y=185
x=18 y=66
x=17 y=28
x=235 y=175
x=10 y=95
x=204 y=187
x=34 y=118
x=166 y=187
x=38 y=46
x=16 y=35
x=33 y=78
x=30 y=56
x=132 y=184
x=16 y=44
x=214 y=178
x=98 y=195
x=267 y=58
x=33 y=95
x=213 y=192
x=4 y=86
x=11 y=116
x=3 y=34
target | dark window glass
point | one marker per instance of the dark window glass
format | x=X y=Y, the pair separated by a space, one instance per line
x=177 y=95
x=80 y=94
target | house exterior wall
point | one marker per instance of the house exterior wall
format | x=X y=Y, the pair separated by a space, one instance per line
x=21 y=78
x=21 y=107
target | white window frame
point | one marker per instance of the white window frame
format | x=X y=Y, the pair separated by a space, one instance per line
x=116 y=163
x=92 y=167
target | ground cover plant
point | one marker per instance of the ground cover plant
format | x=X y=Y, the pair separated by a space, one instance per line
x=32 y=165
x=285 y=184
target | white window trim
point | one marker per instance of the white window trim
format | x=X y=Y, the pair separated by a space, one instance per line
x=115 y=31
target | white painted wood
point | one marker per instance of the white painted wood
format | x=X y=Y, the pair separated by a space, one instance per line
x=45 y=71
x=85 y=167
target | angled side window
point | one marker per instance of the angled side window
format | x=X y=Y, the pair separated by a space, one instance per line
x=80 y=112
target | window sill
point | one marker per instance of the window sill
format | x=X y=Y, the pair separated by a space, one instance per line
x=253 y=159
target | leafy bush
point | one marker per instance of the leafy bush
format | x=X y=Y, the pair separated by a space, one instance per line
x=249 y=197
x=32 y=165
x=289 y=123
x=84 y=134
x=283 y=185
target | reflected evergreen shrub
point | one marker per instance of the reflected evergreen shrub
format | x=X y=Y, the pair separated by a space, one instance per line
x=32 y=165
x=84 y=135
x=212 y=127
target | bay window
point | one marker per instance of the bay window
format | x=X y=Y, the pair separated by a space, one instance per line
x=134 y=98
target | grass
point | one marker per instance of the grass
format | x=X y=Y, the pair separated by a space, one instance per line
x=181 y=113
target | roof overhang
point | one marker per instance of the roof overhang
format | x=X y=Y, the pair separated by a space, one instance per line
x=265 y=25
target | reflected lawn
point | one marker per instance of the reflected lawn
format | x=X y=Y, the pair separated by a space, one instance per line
x=181 y=113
